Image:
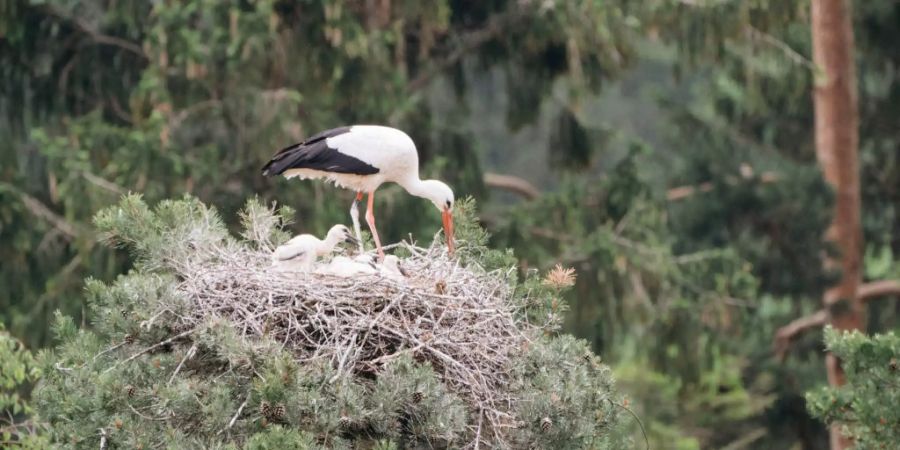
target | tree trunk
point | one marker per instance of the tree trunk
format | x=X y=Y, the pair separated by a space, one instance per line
x=837 y=138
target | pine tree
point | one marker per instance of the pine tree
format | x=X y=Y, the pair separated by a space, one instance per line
x=865 y=408
x=141 y=378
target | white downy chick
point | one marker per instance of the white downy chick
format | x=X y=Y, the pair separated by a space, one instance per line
x=301 y=252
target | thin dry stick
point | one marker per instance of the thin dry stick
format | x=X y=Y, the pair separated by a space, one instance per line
x=189 y=354
x=152 y=347
x=236 y=415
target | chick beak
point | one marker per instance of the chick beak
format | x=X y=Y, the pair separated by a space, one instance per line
x=447 y=215
x=352 y=240
x=402 y=270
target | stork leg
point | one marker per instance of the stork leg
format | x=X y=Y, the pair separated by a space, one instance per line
x=370 y=219
x=354 y=214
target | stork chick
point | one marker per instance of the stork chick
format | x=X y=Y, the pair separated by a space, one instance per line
x=301 y=251
x=342 y=266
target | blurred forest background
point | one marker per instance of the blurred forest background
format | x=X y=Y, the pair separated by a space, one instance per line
x=664 y=149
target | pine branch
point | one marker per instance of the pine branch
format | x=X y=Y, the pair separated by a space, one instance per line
x=152 y=347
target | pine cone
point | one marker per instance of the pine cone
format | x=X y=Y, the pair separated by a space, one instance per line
x=278 y=412
x=265 y=409
x=344 y=421
x=893 y=365
x=129 y=339
x=130 y=390
x=546 y=424
x=418 y=396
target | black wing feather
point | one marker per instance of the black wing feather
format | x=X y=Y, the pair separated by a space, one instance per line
x=314 y=153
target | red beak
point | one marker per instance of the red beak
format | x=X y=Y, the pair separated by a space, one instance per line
x=447 y=215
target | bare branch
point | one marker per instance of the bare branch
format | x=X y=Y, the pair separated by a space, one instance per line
x=746 y=172
x=188 y=355
x=236 y=415
x=514 y=184
x=36 y=207
x=865 y=293
x=95 y=35
x=787 y=333
x=103 y=183
x=757 y=35
x=875 y=289
x=683 y=192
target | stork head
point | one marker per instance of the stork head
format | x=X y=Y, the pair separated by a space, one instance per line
x=340 y=233
x=442 y=196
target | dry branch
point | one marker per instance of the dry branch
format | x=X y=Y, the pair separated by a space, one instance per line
x=866 y=292
x=875 y=289
x=40 y=210
x=98 y=37
x=683 y=192
x=513 y=184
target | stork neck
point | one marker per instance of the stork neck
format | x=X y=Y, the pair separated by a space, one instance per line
x=414 y=185
x=327 y=245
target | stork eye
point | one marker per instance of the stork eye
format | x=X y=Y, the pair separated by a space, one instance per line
x=449 y=203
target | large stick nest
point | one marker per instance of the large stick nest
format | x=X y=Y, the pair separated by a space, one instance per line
x=460 y=319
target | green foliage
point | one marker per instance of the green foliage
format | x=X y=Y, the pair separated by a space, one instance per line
x=18 y=371
x=411 y=394
x=664 y=430
x=865 y=407
x=136 y=382
x=566 y=391
x=277 y=437
x=473 y=238
x=705 y=311
x=103 y=98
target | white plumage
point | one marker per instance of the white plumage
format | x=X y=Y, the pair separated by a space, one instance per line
x=361 y=158
x=342 y=266
x=389 y=150
x=301 y=252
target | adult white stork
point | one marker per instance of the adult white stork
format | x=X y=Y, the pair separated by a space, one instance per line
x=301 y=251
x=361 y=158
